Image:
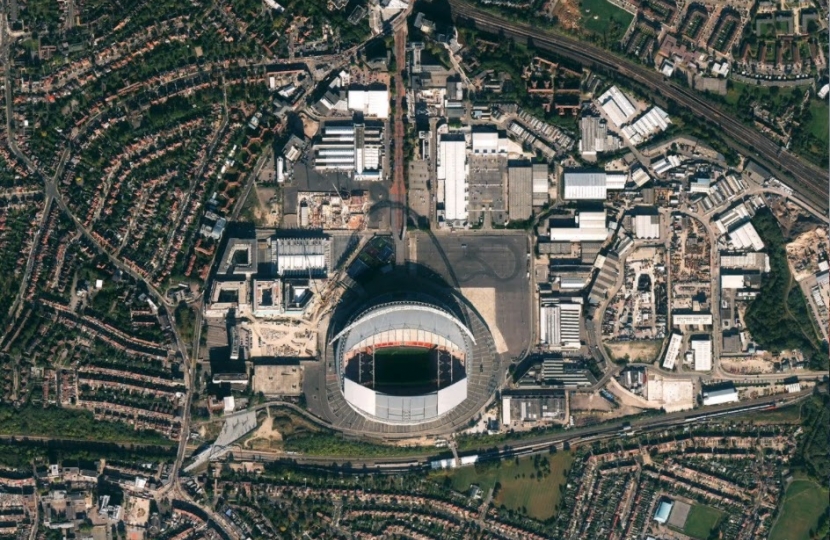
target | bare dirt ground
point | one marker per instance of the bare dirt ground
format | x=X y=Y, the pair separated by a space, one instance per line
x=484 y=300
x=626 y=398
x=637 y=351
x=567 y=12
x=310 y=127
x=592 y=401
x=268 y=211
x=265 y=434
x=802 y=253
x=747 y=366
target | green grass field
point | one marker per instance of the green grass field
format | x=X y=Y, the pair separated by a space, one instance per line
x=785 y=415
x=601 y=16
x=819 y=124
x=702 y=519
x=804 y=502
x=540 y=496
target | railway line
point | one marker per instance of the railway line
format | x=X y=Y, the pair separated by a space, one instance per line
x=807 y=180
x=530 y=446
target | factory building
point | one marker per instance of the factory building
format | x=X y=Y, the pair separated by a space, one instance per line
x=757 y=261
x=672 y=351
x=452 y=172
x=560 y=372
x=519 y=190
x=617 y=106
x=301 y=256
x=745 y=237
x=583 y=227
x=651 y=123
x=519 y=406
x=702 y=351
x=646 y=223
x=689 y=319
x=374 y=103
x=591 y=185
x=584 y=185
x=595 y=138
x=720 y=394
x=560 y=325
x=355 y=148
x=541 y=196
x=488 y=142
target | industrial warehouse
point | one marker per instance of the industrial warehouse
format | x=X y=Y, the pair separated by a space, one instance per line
x=356 y=148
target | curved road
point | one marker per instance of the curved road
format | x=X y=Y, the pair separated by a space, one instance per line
x=807 y=180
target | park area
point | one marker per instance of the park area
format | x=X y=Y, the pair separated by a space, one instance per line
x=804 y=502
x=702 y=519
x=531 y=485
x=602 y=17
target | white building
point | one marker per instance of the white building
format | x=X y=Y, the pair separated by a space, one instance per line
x=374 y=103
x=688 y=319
x=452 y=171
x=745 y=237
x=647 y=226
x=702 y=350
x=585 y=227
x=640 y=176
x=651 y=123
x=301 y=256
x=719 y=396
x=591 y=185
x=559 y=325
x=672 y=351
x=617 y=106
x=615 y=180
x=540 y=184
x=584 y=185
x=351 y=148
x=488 y=142
x=732 y=281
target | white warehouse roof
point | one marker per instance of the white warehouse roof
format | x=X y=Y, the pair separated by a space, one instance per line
x=702 y=349
x=370 y=102
x=647 y=226
x=679 y=319
x=452 y=169
x=654 y=121
x=488 y=142
x=673 y=351
x=728 y=281
x=617 y=106
x=588 y=227
x=585 y=185
x=745 y=237
x=720 y=396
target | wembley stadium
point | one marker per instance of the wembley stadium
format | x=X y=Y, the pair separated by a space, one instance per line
x=404 y=362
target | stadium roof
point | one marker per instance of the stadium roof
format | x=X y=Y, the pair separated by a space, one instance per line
x=404 y=315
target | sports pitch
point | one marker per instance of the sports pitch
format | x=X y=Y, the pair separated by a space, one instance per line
x=405 y=370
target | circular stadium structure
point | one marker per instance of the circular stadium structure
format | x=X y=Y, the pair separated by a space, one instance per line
x=404 y=362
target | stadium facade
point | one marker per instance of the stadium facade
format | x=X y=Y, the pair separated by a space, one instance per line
x=404 y=362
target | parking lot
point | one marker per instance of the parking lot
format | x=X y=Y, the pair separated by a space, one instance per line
x=486 y=261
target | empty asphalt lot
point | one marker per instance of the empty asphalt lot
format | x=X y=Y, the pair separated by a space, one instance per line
x=481 y=260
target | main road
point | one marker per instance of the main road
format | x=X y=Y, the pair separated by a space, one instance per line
x=806 y=179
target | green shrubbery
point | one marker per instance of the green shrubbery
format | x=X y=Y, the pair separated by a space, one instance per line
x=778 y=318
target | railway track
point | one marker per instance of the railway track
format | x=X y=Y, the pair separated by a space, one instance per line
x=807 y=180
